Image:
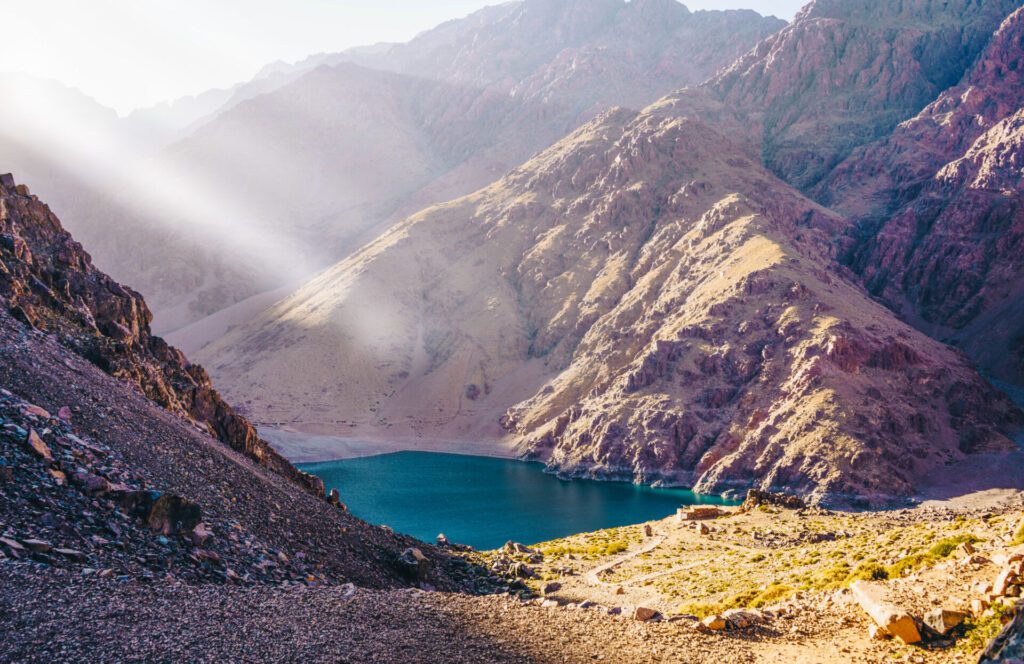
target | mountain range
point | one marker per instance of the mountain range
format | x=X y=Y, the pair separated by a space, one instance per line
x=307 y=162
x=663 y=295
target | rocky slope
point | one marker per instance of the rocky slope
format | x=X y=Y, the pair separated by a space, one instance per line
x=652 y=304
x=843 y=74
x=48 y=282
x=118 y=459
x=328 y=153
x=939 y=210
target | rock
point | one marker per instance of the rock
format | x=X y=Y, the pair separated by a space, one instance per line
x=91 y=484
x=967 y=549
x=978 y=607
x=943 y=620
x=73 y=554
x=874 y=599
x=643 y=614
x=742 y=618
x=614 y=610
x=549 y=588
x=39 y=546
x=549 y=604
x=703 y=529
x=413 y=564
x=36 y=411
x=64 y=413
x=876 y=633
x=620 y=591
x=756 y=497
x=37 y=446
x=1007 y=576
x=715 y=623
x=442 y=540
x=586 y=604
x=334 y=498
x=59 y=478
x=200 y=534
x=171 y=515
x=520 y=571
x=12 y=544
x=648 y=531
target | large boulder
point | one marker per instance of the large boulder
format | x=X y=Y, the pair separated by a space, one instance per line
x=171 y=515
x=413 y=564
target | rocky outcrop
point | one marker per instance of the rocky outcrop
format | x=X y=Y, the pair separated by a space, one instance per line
x=939 y=207
x=641 y=301
x=48 y=282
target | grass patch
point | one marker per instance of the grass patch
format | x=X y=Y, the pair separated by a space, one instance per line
x=867 y=571
x=751 y=599
x=1018 y=539
x=980 y=631
x=941 y=549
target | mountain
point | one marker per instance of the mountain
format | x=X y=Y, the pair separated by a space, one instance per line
x=648 y=303
x=939 y=207
x=119 y=457
x=305 y=164
x=843 y=74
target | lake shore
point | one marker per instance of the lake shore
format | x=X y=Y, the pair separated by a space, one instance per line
x=300 y=447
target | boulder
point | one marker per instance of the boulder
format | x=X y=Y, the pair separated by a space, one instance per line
x=549 y=588
x=39 y=546
x=172 y=514
x=413 y=564
x=643 y=614
x=742 y=618
x=715 y=623
x=36 y=411
x=648 y=531
x=874 y=599
x=38 y=447
x=1007 y=577
x=334 y=498
x=943 y=621
x=756 y=497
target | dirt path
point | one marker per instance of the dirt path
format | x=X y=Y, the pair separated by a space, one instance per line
x=594 y=576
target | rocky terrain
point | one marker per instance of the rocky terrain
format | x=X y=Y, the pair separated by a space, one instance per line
x=938 y=205
x=119 y=461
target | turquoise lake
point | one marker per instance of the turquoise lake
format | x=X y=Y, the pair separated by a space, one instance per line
x=485 y=502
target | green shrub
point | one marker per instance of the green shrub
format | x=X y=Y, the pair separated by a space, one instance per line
x=868 y=571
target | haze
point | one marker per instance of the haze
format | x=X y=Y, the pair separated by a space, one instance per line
x=131 y=54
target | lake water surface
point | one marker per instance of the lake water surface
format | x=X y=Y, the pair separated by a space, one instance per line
x=485 y=502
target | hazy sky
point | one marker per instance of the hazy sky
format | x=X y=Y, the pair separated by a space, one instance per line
x=132 y=53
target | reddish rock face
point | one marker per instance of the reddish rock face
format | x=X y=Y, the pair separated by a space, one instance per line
x=843 y=74
x=47 y=280
x=940 y=206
